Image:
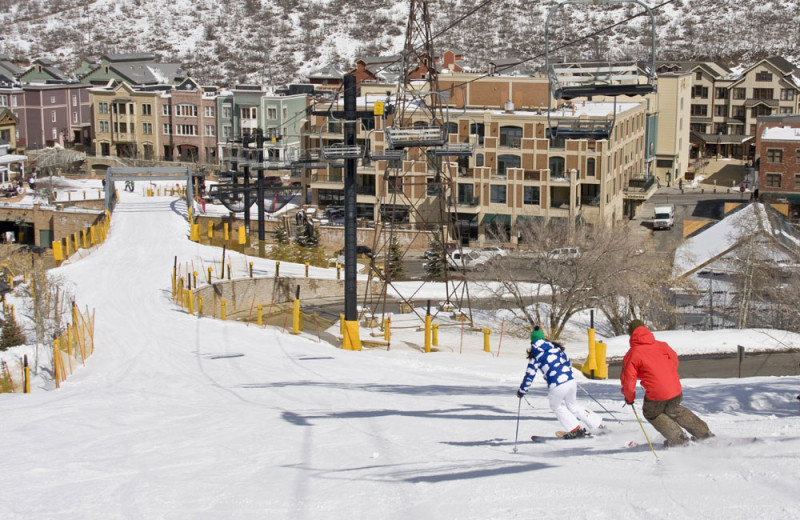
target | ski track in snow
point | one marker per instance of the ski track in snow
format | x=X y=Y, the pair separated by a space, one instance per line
x=181 y=417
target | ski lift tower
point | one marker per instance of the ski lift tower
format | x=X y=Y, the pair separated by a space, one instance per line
x=417 y=151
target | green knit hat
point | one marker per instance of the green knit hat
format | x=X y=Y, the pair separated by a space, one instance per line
x=635 y=324
x=537 y=334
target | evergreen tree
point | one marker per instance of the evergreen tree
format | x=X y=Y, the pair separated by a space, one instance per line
x=396 y=269
x=11 y=335
x=281 y=235
x=436 y=262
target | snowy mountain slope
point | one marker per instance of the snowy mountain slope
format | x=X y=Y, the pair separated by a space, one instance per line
x=177 y=417
x=276 y=41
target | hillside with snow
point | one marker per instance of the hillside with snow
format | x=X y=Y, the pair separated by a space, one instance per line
x=176 y=417
x=276 y=41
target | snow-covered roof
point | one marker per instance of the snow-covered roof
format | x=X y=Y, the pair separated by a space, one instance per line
x=722 y=237
x=782 y=133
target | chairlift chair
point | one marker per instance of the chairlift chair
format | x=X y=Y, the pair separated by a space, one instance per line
x=569 y=80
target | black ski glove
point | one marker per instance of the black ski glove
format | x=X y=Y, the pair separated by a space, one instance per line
x=630 y=403
x=520 y=394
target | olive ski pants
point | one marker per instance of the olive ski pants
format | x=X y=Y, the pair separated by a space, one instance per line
x=668 y=417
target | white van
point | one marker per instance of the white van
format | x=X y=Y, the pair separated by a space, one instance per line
x=664 y=217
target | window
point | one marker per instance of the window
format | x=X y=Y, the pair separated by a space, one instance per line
x=210 y=130
x=786 y=110
x=478 y=160
x=762 y=93
x=147 y=109
x=797 y=156
x=185 y=129
x=285 y=112
x=699 y=91
x=511 y=136
x=557 y=166
x=763 y=76
x=102 y=126
x=226 y=111
x=531 y=195
x=787 y=94
x=774 y=155
x=773 y=180
x=699 y=110
x=720 y=110
x=466 y=194
x=721 y=93
x=760 y=110
x=738 y=111
x=497 y=193
x=698 y=75
x=53 y=102
x=208 y=111
x=120 y=128
x=53 y=116
x=477 y=129
x=227 y=131
x=740 y=93
x=55 y=134
x=164 y=110
x=796 y=180
x=504 y=162
x=3 y=100
x=74 y=100
x=74 y=117
x=272 y=113
x=102 y=108
x=167 y=130
x=13 y=101
x=186 y=110
x=433 y=188
x=590 y=167
x=147 y=128
x=248 y=112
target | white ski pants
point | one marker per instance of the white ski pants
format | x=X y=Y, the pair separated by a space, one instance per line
x=564 y=403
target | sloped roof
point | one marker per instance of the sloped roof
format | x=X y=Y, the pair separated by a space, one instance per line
x=782 y=64
x=717 y=241
x=327 y=72
x=149 y=73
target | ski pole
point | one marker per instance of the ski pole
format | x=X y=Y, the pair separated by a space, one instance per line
x=645 y=432
x=598 y=402
x=516 y=435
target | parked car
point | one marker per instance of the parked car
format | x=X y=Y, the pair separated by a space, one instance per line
x=563 y=254
x=360 y=250
x=494 y=251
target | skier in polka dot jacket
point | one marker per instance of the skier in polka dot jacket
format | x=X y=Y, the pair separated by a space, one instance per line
x=562 y=388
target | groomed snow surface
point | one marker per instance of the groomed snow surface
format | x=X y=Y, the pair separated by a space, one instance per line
x=179 y=417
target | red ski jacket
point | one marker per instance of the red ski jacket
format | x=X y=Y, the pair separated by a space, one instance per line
x=655 y=363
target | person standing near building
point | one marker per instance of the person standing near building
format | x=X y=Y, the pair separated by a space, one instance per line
x=562 y=389
x=656 y=364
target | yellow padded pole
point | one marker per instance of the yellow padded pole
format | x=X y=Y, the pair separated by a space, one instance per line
x=352 y=339
x=296 y=316
x=486 y=333
x=602 y=366
x=590 y=366
x=427 y=333
x=435 y=335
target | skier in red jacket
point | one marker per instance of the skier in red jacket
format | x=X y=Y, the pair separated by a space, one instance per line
x=656 y=364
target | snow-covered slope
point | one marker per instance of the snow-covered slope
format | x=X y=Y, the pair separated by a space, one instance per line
x=179 y=417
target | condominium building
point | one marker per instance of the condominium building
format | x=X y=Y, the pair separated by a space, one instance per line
x=726 y=104
x=515 y=172
x=778 y=159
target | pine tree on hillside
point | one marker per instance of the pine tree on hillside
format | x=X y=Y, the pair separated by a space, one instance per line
x=11 y=335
